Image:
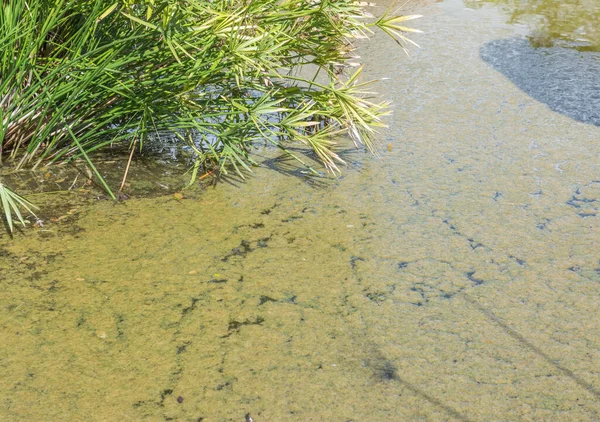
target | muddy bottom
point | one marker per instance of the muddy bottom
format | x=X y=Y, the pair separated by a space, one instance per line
x=454 y=277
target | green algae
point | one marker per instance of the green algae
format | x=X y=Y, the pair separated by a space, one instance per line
x=455 y=277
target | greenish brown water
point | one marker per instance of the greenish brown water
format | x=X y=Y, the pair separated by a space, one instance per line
x=455 y=277
x=571 y=23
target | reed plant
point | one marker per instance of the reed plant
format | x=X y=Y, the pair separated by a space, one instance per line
x=77 y=76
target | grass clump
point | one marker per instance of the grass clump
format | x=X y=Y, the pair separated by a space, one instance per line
x=80 y=75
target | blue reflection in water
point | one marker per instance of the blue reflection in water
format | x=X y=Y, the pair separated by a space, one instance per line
x=566 y=80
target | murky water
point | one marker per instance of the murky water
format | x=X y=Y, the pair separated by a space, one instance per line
x=455 y=277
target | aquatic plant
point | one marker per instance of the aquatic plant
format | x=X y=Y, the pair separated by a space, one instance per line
x=11 y=202
x=80 y=75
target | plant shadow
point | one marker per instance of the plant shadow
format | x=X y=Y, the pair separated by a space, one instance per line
x=314 y=176
x=566 y=80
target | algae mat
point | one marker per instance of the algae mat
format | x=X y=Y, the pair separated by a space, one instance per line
x=455 y=277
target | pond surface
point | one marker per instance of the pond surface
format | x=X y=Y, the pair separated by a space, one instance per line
x=567 y=23
x=454 y=277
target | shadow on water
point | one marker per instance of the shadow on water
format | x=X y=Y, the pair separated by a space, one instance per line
x=528 y=344
x=566 y=80
x=431 y=399
x=385 y=371
x=312 y=173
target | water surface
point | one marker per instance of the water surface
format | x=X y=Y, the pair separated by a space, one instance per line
x=455 y=277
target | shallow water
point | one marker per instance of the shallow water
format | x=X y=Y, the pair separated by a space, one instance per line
x=567 y=23
x=455 y=277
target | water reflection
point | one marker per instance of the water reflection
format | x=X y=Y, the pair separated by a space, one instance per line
x=572 y=23
x=566 y=80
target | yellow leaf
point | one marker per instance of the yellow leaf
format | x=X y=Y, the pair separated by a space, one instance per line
x=107 y=12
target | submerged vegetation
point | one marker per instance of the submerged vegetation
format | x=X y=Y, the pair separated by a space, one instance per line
x=77 y=76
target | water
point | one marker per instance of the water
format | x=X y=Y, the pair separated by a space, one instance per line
x=455 y=277
x=566 y=23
